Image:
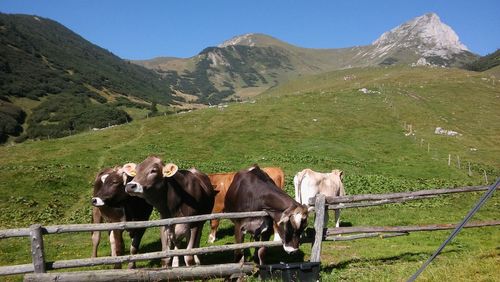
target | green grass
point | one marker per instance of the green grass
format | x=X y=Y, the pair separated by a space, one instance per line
x=321 y=122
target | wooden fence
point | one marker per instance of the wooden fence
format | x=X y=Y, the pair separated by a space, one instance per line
x=39 y=266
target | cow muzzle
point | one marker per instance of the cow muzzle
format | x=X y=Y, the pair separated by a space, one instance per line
x=97 y=202
x=289 y=249
x=134 y=188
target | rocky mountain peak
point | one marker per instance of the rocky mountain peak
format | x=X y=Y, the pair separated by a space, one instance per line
x=245 y=39
x=427 y=34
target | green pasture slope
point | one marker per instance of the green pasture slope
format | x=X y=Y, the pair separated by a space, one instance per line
x=383 y=140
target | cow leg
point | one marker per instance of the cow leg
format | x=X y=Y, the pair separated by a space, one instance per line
x=136 y=236
x=337 y=218
x=172 y=241
x=259 y=253
x=165 y=245
x=238 y=237
x=116 y=243
x=193 y=239
x=175 y=260
x=96 y=235
x=197 y=244
x=214 y=225
x=327 y=217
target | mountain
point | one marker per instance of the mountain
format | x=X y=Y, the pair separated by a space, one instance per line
x=246 y=64
x=424 y=40
x=54 y=83
x=487 y=62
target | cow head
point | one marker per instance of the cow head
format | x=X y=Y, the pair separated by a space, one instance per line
x=292 y=223
x=109 y=186
x=150 y=174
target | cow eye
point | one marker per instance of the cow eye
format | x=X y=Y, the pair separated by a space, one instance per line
x=154 y=170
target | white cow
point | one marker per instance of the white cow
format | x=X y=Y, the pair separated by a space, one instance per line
x=308 y=183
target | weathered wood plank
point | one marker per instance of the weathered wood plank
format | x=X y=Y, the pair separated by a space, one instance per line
x=131 y=275
x=372 y=197
x=364 y=235
x=37 y=255
x=157 y=255
x=319 y=222
x=378 y=202
x=16 y=269
x=57 y=229
x=410 y=228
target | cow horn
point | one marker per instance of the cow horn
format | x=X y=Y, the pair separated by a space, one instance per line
x=169 y=170
x=284 y=218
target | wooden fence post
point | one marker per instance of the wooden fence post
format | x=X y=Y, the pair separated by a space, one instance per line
x=37 y=254
x=319 y=222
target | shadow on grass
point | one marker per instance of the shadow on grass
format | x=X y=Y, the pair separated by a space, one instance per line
x=404 y=257
x=273 y=255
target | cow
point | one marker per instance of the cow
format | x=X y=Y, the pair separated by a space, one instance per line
x=221 y=182
x=174 y=193
x=112 y=204
x=309 y=183
x=253 y=190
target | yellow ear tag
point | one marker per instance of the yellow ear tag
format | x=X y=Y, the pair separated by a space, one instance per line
x=169 y=170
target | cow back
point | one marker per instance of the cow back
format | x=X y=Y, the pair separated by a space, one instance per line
x=254 y=190
x=189 y=193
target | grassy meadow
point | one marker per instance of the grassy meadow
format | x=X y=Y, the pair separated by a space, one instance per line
x=383 y=140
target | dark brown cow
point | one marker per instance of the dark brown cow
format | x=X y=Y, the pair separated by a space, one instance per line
x=253 y=190
x=112 y=204
x=174 y=193
x=221 y=182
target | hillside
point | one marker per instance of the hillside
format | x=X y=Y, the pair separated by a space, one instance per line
x=245 y=65
x=64 y=84
x=321 y=122
x=486 y=62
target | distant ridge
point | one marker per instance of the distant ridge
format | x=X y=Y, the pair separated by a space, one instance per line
x=248 y=63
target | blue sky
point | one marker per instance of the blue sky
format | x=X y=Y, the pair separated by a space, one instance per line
x=147 y=29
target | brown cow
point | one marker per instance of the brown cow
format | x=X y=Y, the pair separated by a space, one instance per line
x=253 y=190
x=174 y=193
x=112 y=204
x=221 y=182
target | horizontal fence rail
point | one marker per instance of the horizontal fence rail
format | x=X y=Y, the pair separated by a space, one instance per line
x=407 y=196
x=141 y=275
x=57 y=229
x=410 y=228
x=26 y=268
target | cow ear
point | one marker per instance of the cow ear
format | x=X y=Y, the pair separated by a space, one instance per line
x=129 y=169
x=341 y=174
x=103 y=177
x=169 y=170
